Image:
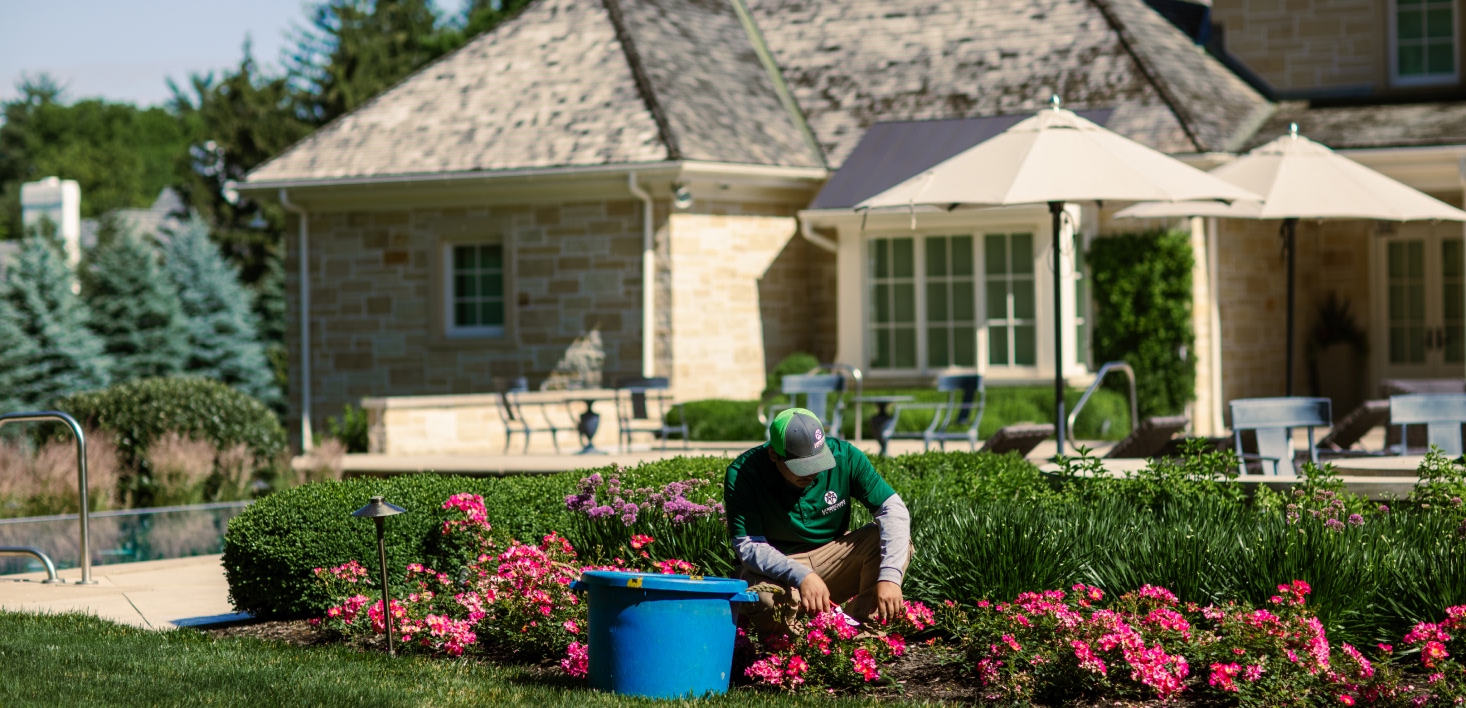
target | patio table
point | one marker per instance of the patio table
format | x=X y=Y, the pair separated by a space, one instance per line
x=881 y=417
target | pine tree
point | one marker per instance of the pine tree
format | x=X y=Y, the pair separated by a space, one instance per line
x=222 y=337
x=135 y=309
x=46 y=349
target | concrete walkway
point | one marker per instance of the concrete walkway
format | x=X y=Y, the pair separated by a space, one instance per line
x=160 y=594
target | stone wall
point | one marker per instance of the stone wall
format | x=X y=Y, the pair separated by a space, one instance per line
x=1310 y=45
x=1332 y=257
x=718 y=325
x=376 y=298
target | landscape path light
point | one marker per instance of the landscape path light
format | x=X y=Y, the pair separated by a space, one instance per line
x=378 y=510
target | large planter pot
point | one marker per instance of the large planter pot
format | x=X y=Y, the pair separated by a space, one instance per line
x=1340 y=371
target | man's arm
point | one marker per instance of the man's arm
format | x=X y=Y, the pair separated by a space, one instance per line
x=756 y=554
x=895 y=524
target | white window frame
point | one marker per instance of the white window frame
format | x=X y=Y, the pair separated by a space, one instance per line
x=452 y=330
x=1429 y=79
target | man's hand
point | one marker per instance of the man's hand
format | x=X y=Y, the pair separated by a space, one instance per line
x=888 y=600
x=814 y=596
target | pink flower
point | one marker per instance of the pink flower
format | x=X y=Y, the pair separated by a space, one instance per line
x=1012 y=643
x=767 y=671
x=865 y=664
x=1087 y=660
x=577 y=660
x=1253 y=672
x=795 y=668
x=1346 y=699
x=1224 y=676
x=1386 y=648
x=674 y=567
x=1159 y=594
x=1432 y=653
x=641 y=540
x=570 y=626
x=897 y=643
x=921 y=617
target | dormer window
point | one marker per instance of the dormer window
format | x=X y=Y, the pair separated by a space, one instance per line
x=1424 y=42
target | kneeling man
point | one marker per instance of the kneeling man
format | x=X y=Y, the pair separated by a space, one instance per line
x=788 y=504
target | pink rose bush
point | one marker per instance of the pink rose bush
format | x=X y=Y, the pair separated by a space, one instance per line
x=832 y=649
x=516 y=598
x=1058 y=645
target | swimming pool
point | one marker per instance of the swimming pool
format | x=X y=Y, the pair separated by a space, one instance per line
x=124 y=536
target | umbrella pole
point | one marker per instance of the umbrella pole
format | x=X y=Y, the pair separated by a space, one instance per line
x=1290 y=248
x=1056 y=210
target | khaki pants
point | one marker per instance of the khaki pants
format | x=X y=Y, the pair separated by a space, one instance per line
x=849 y=565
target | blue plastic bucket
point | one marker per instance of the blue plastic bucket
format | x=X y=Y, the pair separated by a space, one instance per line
x=661 y=636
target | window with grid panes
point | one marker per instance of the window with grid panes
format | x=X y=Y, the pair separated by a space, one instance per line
x=1008 y=279
x=951 y=302
x=476 y=297
x=1425 y=38
x=893 y=303
x=1453 y=308
x=1406 y=299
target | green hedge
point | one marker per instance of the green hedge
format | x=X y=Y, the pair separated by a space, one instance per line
x=138 y=412
x=1105 y=417
x=1142 y=298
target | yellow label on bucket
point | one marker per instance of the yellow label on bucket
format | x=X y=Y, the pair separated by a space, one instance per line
x=633 y=582
x=694 y=577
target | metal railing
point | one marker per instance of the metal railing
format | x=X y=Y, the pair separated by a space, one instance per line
x=1099 y=378
x=85 y=560
x=39 y=555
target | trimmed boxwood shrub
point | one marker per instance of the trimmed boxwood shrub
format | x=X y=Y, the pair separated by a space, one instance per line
x=271 y=548
x=718 y=419
x=138 y=412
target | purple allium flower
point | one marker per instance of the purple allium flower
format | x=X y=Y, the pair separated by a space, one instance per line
x=1356 y=519
x=600 y=512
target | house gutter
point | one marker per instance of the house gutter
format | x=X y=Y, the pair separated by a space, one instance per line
x=698 y=167
x=648 y=278
x=305 y=324
x=814 y=238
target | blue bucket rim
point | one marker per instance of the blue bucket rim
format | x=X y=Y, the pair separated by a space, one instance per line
x=658 y=581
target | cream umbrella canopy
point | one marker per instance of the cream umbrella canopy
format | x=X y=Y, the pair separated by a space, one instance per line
x=1298 y=178
x=1052 y=158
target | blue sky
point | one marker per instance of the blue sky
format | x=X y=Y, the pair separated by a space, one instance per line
x=126 y=50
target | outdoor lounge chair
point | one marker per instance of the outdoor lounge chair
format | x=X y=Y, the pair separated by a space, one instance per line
x=1353 y=427
x=1272 y=420
x=642 y=406
x=955 y=420
x=1021 y=438
x=1149 y=438
x=1441 y=413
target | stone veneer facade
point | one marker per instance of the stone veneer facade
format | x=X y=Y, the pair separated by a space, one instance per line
x=735 y=288
x=1300 y=46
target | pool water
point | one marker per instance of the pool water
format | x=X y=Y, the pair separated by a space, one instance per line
x=125 y=536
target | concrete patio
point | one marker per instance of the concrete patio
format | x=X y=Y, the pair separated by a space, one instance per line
x=163 y=594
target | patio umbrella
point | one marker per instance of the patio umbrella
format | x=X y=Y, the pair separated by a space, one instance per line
x=1298 y=178
x=1055 y=157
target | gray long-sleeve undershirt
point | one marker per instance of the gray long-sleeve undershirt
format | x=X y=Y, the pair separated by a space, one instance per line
x=892 y=517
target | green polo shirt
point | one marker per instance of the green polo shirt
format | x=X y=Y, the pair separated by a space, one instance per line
x=760 y=502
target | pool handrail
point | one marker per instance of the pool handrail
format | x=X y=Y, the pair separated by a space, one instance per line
x=1099 y=378
x=85 y=560
x=39 y=555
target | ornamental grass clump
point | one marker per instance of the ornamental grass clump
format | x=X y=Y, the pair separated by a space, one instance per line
x=1057 y=646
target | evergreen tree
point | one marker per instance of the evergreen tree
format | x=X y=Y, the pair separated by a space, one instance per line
x=134 y=309
x=222 y=338
x=357 y=48
x=46 y=349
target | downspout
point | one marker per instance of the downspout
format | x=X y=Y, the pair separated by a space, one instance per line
x=648 y=279
x=816 y=239
x=306 y=442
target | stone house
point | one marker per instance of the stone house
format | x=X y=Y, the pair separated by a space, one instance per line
x=676 y=175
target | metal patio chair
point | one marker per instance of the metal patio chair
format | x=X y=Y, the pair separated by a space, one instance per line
x=823 y=394
x=1441 y=413
x=512 y=414
x=957 y=419
x=1272 y=420
x=642 y=406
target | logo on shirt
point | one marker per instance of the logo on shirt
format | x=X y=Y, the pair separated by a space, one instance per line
x=831 y=497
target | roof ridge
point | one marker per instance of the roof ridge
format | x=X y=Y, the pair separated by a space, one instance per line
x=1151 y=74
x=643 y=81
x=786 y=98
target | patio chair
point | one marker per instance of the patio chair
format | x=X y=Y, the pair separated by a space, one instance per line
x=1149 y=438
x=1348 y=432
x=1441 y=413
x=1021 y=438
x=1272 y=420
x=512 y=414
x=956 y=419
x=642 y=406
x=823 y=394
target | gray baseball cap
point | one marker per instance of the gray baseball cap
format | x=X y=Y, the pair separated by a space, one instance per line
x=798 y=436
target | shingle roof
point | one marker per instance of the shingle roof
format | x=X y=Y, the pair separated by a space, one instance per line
x=851 y=63
x=596 y=82
x=1343 y=127
x=551 y=87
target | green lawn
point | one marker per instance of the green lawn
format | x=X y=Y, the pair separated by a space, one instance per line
x=80 y=660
